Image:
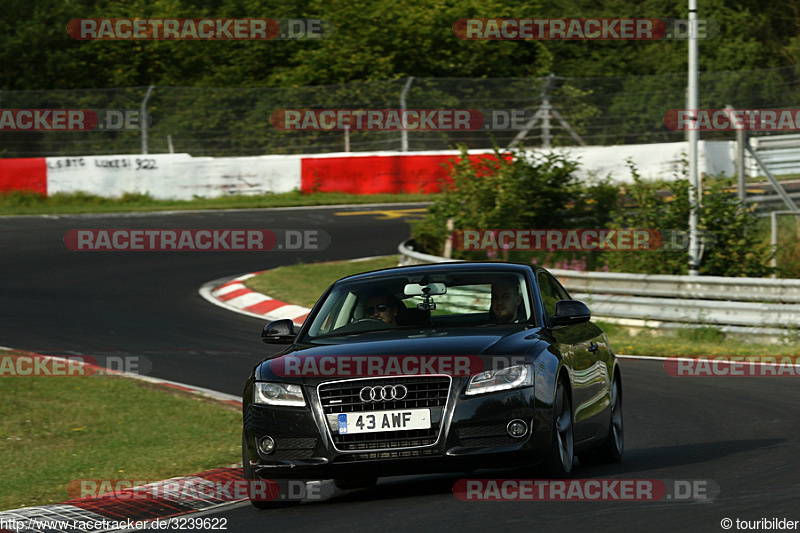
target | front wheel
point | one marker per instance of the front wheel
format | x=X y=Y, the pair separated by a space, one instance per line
x=611 y=449
x=560 y=457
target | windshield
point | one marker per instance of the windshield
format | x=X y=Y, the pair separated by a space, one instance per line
x=463 y=299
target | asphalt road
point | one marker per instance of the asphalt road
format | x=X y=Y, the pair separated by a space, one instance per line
x=740 y=434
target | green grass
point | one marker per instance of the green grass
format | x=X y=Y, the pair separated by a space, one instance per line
x=60 y=429
x=304 y=284
x=699 y=341
x=28 y=203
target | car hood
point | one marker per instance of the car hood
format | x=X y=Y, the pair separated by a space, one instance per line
x=480 y=350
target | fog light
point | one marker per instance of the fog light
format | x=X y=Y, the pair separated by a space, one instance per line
x=517 y=428
x=266 y=445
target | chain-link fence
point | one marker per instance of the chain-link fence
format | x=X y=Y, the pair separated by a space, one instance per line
x=236 y=121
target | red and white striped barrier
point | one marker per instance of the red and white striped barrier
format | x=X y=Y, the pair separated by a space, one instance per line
x=182 y=177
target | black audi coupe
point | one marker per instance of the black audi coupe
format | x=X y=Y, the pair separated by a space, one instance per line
x=433 y=368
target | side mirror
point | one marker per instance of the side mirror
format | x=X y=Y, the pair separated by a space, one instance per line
x=279 y=332
x=570 y=312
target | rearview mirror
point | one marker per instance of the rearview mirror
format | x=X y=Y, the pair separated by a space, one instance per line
x=570 y=312
x=279 y=332
x=431 y=289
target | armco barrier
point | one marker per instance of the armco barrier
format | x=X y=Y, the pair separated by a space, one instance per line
x=744 y=305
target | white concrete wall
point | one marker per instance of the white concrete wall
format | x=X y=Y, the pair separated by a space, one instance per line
x=173 y=176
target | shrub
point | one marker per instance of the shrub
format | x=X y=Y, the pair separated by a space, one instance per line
x=514 y=189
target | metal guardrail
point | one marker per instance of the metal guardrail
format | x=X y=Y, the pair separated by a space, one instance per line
x=781 y=153
x=760 y=306
x=690 y=287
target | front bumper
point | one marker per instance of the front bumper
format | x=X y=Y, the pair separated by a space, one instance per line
x=471 y=433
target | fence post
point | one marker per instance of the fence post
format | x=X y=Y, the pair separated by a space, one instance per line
x=143 y=115
x=404 y=131
x=546 y=135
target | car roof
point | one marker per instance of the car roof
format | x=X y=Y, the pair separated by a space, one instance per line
x=453 y=266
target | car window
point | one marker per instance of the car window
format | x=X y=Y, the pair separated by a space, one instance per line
x=350 y=307
x=550 y=293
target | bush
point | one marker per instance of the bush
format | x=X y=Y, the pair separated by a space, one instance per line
x=737 y=250
x=522 y=190
x=734 y=247
x=640 y=207
x=515 y=190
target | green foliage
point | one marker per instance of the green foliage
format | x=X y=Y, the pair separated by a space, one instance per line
x=737 y=250
x=641 y=208
x=376 y=40
x=522 y=190
x=515 y=190
x=508 y=190
x=734 y=246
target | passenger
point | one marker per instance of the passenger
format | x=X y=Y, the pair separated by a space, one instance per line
x=505 y=302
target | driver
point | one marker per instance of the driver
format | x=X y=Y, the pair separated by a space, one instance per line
x=505 y=302
x=383 y=307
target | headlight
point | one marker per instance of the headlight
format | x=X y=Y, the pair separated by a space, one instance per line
x=278 y=394
x=512 y=377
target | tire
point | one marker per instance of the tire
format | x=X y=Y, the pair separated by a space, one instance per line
x=562 y=445
x=612 y=448
x=249 y=475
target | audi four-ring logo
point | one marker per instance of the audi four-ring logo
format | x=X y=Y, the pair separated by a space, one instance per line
x=383 y=394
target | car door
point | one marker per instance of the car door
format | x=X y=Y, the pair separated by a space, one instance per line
x=581 y=345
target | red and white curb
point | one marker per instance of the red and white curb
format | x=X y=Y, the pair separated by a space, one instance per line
x=235 y=296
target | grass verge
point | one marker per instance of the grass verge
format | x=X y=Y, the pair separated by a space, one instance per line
x=697 y=341
x=304 y=284
x=28 y=203
x=59 y=429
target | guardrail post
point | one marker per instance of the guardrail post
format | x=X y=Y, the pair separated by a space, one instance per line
x=773 y=241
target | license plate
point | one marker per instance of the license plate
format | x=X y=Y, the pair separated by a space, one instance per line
x=373 y=421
